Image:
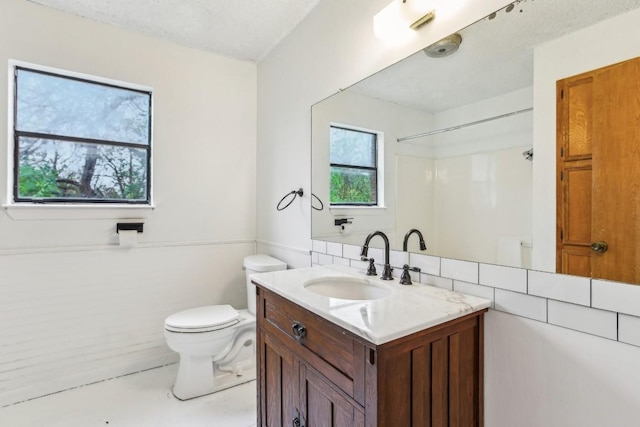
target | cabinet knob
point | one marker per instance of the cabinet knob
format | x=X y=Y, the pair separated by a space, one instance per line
x=600 y=247
x=299 y=331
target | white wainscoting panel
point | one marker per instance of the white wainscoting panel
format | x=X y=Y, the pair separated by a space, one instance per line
x=71 y=318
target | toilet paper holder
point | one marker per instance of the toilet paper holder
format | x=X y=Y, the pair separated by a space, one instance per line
x=137 y=226
x=342 y=222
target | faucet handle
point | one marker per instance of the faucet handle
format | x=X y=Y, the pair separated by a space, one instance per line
x=371 y=270
x=405 y=279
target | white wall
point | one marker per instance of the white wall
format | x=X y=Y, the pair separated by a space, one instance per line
x=503 y=133
x=333 y=48
x=76 y=308
x=614 y=40
x=479 y=199
x=415 y=177
x=542 y=375
x=483 y=184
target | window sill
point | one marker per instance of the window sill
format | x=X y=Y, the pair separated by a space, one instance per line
x=358 y=210
x=32 y=212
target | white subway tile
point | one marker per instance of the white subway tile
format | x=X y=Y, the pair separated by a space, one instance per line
x=475 y=290
x=427 y=264
x=615 y=296
x=361 y=266
x=508 y=278
x=440 y=282
x=583 y=319
x=314 y=257
x=351 y=251
x=460 y=270
x=340 y=260
x=319 y=246
x=521 y=305
x=377 y=254
x=560 y=287
x=629 y=329
x=334 y=248
x=415 y=276
x=324 y=259
x=398 y=259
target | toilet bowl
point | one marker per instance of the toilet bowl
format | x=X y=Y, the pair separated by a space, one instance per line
x=217 y=343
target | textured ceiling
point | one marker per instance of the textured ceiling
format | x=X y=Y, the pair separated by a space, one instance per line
x=241 y=29
x=495 y=57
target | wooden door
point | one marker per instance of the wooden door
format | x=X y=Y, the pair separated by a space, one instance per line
x=574 y=202
x=279 y=383
x=323 y=406
x=599 y=173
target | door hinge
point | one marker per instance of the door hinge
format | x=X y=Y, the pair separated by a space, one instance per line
x=561 y=234
x=561 y=151
x=561 y=93
x=561 y=176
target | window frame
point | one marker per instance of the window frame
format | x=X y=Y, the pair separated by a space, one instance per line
x=13 y=197
x=378 y=168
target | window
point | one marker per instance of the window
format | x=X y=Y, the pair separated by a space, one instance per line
x=79 y=140
x=354 y=167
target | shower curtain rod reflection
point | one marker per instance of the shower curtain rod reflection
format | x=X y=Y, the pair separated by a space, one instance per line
x=449 y=129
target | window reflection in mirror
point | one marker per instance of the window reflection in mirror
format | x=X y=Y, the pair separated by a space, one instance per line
x=354 y=167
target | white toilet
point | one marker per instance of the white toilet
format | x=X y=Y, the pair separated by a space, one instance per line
x=216 y=343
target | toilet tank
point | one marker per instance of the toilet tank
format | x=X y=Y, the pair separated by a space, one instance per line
x=258 y=264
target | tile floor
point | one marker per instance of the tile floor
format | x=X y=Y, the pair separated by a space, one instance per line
x=137 y=400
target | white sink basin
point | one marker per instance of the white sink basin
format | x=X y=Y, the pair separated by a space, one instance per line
x=351 y=288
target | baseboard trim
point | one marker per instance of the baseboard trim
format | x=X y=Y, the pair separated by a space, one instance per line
x=37 y=391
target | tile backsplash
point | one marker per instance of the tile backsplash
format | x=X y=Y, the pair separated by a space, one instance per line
x=602 y=308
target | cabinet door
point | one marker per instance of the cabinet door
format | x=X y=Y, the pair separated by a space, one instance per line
x=279 y=383
x=323 y=406
x=433 y=378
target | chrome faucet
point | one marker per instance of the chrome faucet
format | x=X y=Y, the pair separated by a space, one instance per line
x=386 y=273
x=423 y=246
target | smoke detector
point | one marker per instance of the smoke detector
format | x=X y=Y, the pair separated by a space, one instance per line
x=444 y=47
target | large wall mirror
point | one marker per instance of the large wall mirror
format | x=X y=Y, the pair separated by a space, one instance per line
x=466 y=141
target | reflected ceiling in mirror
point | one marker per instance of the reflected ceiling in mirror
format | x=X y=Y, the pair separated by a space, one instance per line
x=495 y=55
x=470 y=190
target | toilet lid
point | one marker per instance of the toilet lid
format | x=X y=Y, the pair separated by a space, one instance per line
x=208 y=317
x=263 y=263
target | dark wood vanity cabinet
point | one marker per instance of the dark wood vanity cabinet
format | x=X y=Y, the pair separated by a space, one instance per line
x=314 y=373
x=291 y=393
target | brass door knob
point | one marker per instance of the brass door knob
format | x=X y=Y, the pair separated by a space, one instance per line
x=599 y=247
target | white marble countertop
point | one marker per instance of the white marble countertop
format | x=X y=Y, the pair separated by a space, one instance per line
x=407 y=309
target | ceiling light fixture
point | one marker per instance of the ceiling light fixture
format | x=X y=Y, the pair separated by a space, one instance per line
x=445 y=47
x=398 y=21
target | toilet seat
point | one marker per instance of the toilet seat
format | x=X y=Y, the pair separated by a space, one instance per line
x=202 y=319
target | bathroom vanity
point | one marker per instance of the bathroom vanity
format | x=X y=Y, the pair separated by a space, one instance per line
x=399 y=356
